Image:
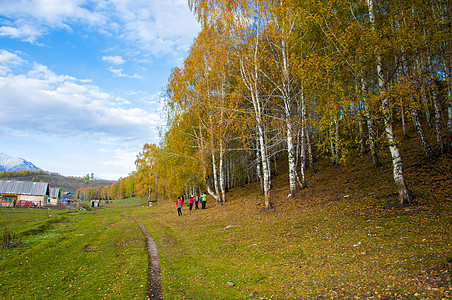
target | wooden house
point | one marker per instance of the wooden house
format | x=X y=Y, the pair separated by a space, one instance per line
x=23 y=193
x=54 y=196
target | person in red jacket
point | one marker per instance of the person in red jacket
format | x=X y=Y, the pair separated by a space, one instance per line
x=179 y=204
x=192 y=200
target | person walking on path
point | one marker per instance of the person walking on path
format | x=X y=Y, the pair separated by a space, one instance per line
x=179 y=204
x=191 y=202
x=196 y=201
x=203 y=199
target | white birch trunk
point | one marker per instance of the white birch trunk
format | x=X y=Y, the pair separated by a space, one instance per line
x=337 y=148
x=438 y=130
x=332 y=145
x=291 y=158
x=203 y=163
x=449 y=113
x=304 y=121
x=402 y=115
x=251 y=80
x=372 y=143
x=310 y=156
x=258 y=168
x=370 y=130
x=222 y=175
x=404 y=194
x=216 y=195
x=420 y=130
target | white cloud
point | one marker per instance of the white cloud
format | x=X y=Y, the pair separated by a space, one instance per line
x=8 y=58
x=43 y=101
x=117 y=60
x=24 y=32
x=34 y=18
x=158 y=27
x=119 y=73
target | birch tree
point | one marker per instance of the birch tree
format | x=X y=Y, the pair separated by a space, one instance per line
x=404 y=194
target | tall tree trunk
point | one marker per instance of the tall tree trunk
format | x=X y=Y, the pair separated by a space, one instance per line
x=336 y=145
x=372 y=143
x=333 y=154
x=404 y=194
x=402 y=115
x=361 y=130
x=251 y=80
x=370 y=128
x=405 y=197
x=215 y=179
x=438 y=131
x=155 y=185
x=304 y=132
x=259 y=167
x=310 y=155
x=291 y=159
x=449 y=124
x=420 y=130
x=265 y=169
x=222 y=174
x=203 y=163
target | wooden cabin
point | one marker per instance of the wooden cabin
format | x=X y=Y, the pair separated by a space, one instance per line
x=54 y=196
x=15 y=193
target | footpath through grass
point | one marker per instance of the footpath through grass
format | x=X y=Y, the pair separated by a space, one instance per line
x=71 y=255
x=337 y=239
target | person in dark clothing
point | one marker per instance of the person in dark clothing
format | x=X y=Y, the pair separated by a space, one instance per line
x=196 y=201
x=179 y=204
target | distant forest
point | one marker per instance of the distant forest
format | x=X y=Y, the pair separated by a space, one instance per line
x=67 y=183
x=12 y=174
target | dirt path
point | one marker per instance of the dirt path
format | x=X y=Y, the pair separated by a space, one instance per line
x=154 y=278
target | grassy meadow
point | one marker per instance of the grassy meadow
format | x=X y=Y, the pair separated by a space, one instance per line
x=340 y=238
x=71 y=255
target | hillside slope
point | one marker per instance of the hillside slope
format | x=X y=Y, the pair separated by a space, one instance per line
x=341 y=237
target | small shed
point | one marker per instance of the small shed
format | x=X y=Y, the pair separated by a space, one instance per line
x=15 y=193
x=54 y=195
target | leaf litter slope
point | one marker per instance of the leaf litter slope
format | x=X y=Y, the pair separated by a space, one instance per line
x=340 y=237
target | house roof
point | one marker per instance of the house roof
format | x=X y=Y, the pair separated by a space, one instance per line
x=24 y=187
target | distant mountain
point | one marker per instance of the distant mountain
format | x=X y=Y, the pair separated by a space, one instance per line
x=9 y=163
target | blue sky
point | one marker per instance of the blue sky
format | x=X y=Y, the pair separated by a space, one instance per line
x=81 y=81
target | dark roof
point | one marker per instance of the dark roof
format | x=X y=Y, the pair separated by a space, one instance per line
x=24 y=187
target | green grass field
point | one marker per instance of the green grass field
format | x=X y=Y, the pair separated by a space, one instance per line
x=72 y=255
x=337 y=239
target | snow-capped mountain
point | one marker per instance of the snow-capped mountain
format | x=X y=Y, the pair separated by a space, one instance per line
x=9 y=163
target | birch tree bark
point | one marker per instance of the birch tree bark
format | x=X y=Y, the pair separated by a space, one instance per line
x=370 y=129
x=249 y=70
x=420 y=130
x=278 y=38
x=405 y=197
